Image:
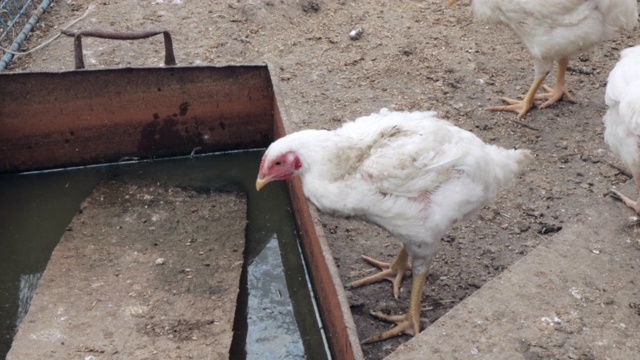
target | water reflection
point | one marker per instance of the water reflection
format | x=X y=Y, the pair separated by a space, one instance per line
x=28 y=285
x=269 y=307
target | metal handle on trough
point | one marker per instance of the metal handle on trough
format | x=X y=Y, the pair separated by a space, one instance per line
x=169 y=57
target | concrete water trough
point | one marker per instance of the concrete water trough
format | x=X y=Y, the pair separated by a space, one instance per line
x=90 y=117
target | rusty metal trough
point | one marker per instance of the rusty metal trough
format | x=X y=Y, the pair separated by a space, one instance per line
x=81 y=117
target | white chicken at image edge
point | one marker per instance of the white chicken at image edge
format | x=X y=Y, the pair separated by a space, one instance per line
x=622 y=120
x=408 y=172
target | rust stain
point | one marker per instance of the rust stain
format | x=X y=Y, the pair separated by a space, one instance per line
x=168 y=133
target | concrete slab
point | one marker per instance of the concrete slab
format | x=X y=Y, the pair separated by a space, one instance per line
x=559 y=302
x=144 y=271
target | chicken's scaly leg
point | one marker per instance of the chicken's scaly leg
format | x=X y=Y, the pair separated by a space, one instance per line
x=521 y=106
x=410 y=322
x=560 y=89
x=393 y=272
x=635 y=205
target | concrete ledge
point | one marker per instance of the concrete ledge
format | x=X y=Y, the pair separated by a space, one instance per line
x=572 y=298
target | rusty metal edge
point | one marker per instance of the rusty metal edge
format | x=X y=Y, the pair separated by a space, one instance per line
x=261 y=67
x=350 y=325
x=342 y=335
x=134 y=67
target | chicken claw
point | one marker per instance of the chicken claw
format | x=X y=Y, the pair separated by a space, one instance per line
x=553 y=95
x=393 y=272
x=408 y=323
x=404 y=325
x=635 y=205
x=560 y=90
x=521 y=107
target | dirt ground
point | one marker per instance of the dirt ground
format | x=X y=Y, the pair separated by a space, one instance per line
x=412 y=55
x=165 y=267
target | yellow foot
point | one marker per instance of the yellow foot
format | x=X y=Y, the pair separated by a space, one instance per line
x=404 y=325
x=553 y=95
x=410 y=322
x=522 y=107
x=393 y=272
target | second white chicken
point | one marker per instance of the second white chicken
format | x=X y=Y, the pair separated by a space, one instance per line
x=554 y=30
x=622 y=120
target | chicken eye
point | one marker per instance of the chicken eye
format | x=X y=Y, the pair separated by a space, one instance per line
x=278 y=163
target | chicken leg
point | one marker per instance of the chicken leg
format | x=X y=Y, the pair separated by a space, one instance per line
x=407 y=323
x=635 y=205
x=560 y=89
x=393 y=272
x=520 y=106
x=552 y=95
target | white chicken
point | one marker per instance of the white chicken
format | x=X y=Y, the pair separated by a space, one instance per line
x=408 y=172
x=554 y=30
x=622 y=120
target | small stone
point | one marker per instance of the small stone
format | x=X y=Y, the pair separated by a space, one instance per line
x=356 y=33
x=160 y=261
x=523 y=228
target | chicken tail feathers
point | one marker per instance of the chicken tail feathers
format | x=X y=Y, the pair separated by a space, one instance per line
x=523 y=158
x=508 y=163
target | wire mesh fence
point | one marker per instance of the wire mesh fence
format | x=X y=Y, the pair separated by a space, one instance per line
x=14 y=15
x=17 y=18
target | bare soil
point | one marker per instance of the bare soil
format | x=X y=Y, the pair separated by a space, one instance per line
x=412 y=55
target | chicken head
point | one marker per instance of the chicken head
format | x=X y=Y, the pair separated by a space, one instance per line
x=279 y=167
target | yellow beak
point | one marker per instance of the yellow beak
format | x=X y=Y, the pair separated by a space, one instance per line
x=260 y=182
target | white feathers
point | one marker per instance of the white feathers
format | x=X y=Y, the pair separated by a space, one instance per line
x=553 y=29
x=409 y=172
x=622 y=120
